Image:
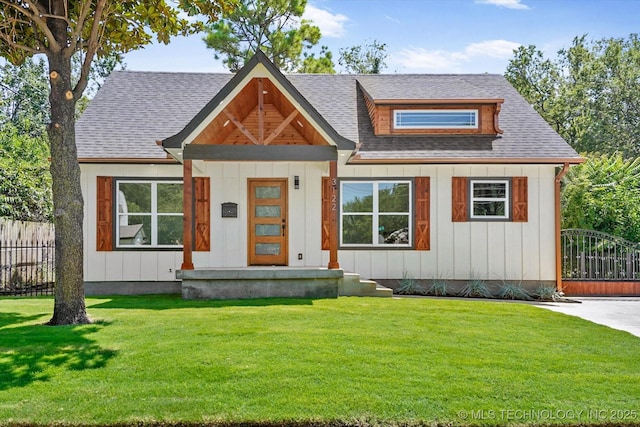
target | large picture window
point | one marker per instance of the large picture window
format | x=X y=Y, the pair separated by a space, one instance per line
x=435 y=119
x=149 y=213
x=375 y=213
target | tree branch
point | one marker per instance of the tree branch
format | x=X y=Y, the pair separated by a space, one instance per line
x=91 y=50
x=35 y=15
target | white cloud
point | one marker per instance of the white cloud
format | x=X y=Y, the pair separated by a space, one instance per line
x=492 y=48
x=330 y=25
x=509 y=4
x=392 y=19
x=440 y=61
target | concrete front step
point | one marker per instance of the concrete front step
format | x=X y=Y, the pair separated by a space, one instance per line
x=352 y=285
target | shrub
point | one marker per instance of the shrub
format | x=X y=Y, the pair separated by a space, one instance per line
x=438 y=288
x=475 y=288
x=545 y=293
x=513 y=291
x=410 y=286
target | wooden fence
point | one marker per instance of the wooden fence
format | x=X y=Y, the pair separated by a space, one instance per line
x=27 y=258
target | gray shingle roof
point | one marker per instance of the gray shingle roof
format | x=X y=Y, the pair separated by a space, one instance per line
x=133 y=110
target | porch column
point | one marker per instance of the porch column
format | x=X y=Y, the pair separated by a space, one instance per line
x=187 y=221
x=333 y=217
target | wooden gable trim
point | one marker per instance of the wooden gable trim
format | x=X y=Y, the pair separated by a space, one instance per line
x=260 y=66
x=422 y=228
x=104 y=214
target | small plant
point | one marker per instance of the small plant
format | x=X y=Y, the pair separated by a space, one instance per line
x=476 y=288
x=545 y=293
x=438 y=288
x=513 y=291
x=410 y=286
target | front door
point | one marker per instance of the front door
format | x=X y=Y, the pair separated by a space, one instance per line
x=268 y=228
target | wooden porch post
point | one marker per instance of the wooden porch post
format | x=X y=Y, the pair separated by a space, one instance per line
x=558 y=219
x=333 y=217
x=187 y=223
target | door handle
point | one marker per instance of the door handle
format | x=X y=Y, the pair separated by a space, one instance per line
x=284 y=225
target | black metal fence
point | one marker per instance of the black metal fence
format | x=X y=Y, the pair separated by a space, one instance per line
x=591 y=255
x=27 y=267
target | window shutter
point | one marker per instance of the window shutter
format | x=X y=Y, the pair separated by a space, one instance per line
x=202 y=214
x=422 y=228
x=459 y=198
x=326 y=211
x=519 y=203
x=104 y=220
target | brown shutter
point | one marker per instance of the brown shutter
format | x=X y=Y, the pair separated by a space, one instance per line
x=519 y=200
x=202 y=214
x=459 y=198
x=422 y=227
x=104 y=220
x=326 y=211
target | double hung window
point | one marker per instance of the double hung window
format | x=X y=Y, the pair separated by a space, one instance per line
x=376 y=213
x=489 y=198
x=149 y=213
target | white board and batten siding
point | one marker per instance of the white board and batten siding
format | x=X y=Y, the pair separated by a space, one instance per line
x=126 y=265
x=519 y=251
x=228 y=235
x=459 y=251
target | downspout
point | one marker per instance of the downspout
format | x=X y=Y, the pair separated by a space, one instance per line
x=561 y=174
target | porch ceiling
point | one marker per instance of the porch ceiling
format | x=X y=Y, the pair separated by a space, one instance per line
x=260 y=115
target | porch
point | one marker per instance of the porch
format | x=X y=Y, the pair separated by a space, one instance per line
x=275 y=282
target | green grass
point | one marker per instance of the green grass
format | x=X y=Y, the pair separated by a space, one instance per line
x=350 y=360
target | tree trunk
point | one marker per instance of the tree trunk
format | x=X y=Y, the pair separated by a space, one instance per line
x=69 y=308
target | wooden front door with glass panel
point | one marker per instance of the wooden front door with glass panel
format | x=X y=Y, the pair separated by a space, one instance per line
x=268 y=228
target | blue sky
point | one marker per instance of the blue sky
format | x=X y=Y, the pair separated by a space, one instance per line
x=432 y=36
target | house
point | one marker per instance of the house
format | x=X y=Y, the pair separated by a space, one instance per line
x=260 y=177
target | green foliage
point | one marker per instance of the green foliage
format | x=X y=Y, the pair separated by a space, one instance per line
x=545 y=293
x=273 y=26
x=602 y=194
x=24 y=98
x=475 y=288
x=590 y=93
x=323 y=64
x=410 y=286
x=368 y=58
x=513 y=291
x=439 y=288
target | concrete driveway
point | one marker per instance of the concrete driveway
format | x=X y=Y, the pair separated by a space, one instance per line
x=616 y=312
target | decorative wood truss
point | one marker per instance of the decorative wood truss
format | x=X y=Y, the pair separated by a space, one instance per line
x=260 y=115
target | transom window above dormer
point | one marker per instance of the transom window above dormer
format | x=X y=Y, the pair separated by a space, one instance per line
x=435 y=119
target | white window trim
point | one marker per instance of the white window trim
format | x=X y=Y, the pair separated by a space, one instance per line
x=398 y=126
x=154 y=214
x=506 y=199
x=375 y=215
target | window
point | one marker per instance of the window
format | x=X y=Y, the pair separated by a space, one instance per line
x=489 y=198
x=375 y=213
x=435 y=119
x=149 y=213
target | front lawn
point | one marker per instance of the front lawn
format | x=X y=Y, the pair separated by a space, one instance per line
x=350 y=360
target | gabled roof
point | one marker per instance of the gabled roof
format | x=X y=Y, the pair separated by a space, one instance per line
x=177 y=140
x=133 y=110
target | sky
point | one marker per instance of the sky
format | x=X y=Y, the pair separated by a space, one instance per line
x=431 y=36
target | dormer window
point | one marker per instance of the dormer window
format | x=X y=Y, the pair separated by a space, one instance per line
x=435 y=119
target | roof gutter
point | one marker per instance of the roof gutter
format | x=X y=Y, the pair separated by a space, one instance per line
x=558 y=219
